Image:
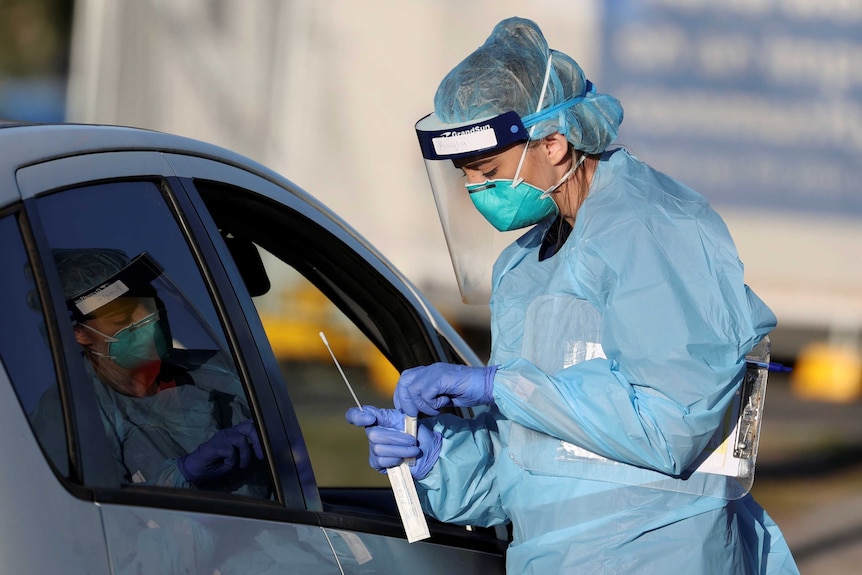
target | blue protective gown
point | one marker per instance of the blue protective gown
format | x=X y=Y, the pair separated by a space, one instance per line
x=628 y=342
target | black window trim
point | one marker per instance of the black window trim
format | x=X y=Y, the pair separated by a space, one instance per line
x=272 y=408
x=87 y=466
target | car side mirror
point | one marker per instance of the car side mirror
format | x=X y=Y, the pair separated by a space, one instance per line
x=249 y=263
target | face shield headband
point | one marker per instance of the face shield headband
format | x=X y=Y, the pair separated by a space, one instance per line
x=455 y=141
x=133 y=280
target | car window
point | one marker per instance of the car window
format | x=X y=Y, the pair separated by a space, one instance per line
x=173 y=407
x=317 y=284
x=294 y=313
x=24 y=347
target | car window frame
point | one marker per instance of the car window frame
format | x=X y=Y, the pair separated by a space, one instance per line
x=282 y=192
x=90 y=462
x=60 y=175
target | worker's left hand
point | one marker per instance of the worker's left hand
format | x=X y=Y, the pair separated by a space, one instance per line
x=388 y=445
x=430 y=388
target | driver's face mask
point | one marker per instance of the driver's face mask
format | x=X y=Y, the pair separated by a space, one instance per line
x=138 y=343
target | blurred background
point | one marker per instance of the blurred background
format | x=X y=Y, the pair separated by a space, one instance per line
x=757 y=104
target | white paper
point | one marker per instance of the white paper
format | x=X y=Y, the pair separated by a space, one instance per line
x=407 y=499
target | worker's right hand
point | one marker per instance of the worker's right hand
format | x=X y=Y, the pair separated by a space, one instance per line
x=227 y=450
x=388 y=445
x=427 y=389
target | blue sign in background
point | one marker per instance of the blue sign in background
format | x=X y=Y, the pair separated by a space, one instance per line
x=755 y=104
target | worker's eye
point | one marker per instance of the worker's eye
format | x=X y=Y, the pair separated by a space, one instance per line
x=489 y=174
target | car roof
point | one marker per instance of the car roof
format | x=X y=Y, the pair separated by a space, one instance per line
x=26 y=144
x=23 y=144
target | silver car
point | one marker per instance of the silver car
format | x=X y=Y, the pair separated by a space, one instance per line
x=250 y=271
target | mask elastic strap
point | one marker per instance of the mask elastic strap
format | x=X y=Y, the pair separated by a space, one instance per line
x=565 y=177
x=101 y=355
x=544 y=87
x=108 y=338
x=517 y=180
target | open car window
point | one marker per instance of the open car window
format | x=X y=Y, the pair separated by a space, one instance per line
x=304 y=281
x=305 y=276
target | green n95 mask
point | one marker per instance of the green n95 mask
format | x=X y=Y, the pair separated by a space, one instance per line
x=513 y=204
x=138 y=343
x=510 y=207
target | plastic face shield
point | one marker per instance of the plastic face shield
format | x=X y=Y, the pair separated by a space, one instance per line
x=472 y=241
x=133 y=280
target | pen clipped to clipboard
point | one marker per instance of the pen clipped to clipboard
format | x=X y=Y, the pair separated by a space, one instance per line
x=400 y=478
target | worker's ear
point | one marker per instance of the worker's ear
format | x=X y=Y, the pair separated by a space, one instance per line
x=555 y=147
x=82 y=336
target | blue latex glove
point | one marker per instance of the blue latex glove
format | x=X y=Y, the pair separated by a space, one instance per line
x=227 y=450
x=428 y=389
x=388 y=445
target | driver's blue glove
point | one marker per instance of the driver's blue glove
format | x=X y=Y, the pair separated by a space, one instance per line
x=388 y=445
x=428 y=389
x=228 y=449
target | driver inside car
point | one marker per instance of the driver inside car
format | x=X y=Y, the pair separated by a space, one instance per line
x=174 y=417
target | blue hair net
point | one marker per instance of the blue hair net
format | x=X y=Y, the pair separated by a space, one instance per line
x=83 y=268
x=506 y=74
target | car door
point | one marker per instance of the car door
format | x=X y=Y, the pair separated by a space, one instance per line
x=45 y=528
x=223 y=231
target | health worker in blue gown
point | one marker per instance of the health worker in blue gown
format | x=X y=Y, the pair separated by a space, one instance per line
x=620 y=324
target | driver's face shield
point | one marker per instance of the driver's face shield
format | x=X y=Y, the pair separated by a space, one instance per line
x=472 y=241
x=139 y=326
